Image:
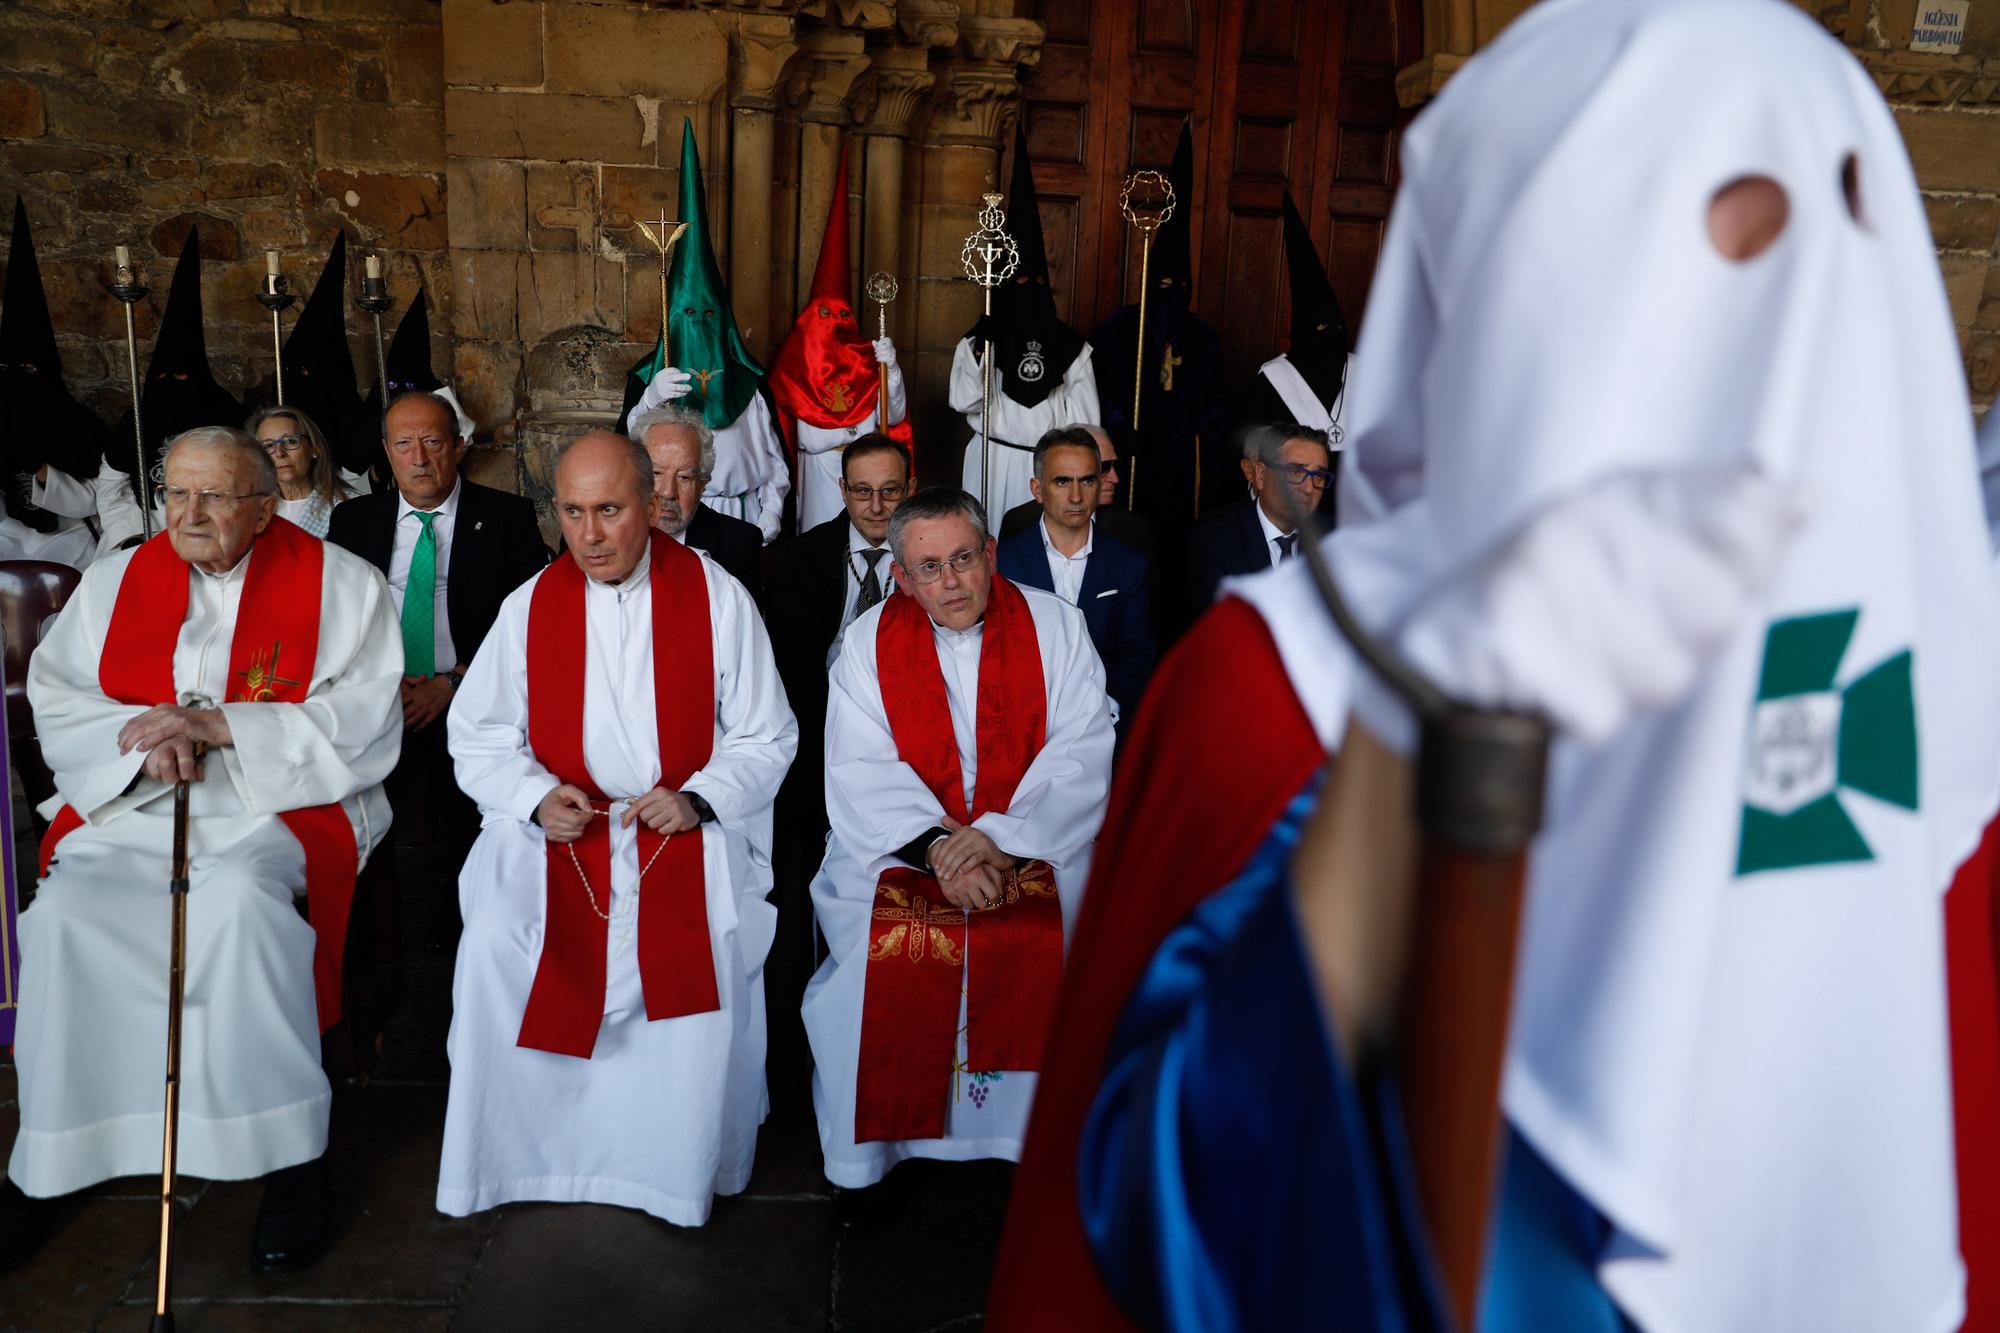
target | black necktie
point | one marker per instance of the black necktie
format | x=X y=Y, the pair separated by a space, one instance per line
x=871 y=587
x=1286 y=545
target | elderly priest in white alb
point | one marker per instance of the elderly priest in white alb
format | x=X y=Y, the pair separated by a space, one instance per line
x=235 y=631
x=624 y=732
x=968 y=752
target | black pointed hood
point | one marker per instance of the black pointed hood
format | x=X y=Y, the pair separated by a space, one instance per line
x=409 y=358
x=44 y=424
x=319 y=369
x=1319 y=328
x=1033 y=347
x=179 y=391
x=1173 y=245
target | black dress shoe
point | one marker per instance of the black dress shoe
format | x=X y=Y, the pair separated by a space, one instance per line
x=291 y=1222
x=25 y=1222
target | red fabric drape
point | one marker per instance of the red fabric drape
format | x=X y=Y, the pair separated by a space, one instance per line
x=1168 y=842
x=676 y=963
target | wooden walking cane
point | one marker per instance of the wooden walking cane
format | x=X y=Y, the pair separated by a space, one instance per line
x=177 y=892
x=1480 y=776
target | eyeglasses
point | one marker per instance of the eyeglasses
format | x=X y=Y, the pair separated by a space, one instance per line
x=218 y=502
x=889 y=494
x=1299 y=474
x=290 y=444
x=930 y=571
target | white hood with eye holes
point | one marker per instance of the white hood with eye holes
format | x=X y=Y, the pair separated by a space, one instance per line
x=1723 y=519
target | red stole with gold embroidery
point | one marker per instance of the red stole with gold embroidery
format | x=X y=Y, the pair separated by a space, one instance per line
x=919 y=945
x=676 y=962
x=277 y=632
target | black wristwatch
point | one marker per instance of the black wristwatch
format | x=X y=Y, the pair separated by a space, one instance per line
x=457 y=678
x=703 y=811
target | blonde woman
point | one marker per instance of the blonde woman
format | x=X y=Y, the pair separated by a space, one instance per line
x=308 y=485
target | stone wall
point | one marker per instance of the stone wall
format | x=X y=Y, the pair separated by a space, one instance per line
x=270 y=122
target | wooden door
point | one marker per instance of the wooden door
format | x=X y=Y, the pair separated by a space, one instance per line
x=1280 y=93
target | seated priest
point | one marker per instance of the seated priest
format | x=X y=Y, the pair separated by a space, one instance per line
x=234 y=633
x=968 y=754
x=624 y=733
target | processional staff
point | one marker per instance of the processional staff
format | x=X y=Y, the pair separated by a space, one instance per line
x=665 y=239
x=990 y=258
x=1480 y=777
x=275 y=298
x=130 y=291
x=881 y=289
x=1155 y=205
x=374 y=299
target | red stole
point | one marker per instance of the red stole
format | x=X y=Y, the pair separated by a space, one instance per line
x=676 y=962
x=917 y=941
x=276 y=638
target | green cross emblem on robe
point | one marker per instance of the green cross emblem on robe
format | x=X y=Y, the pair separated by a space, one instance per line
x=1812 y=742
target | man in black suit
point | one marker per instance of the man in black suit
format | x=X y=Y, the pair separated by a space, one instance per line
x=1073 y=555
x=820 y=581
x=682 y=448
x=1113 y=517
x=464 y=547
x=1289 y=468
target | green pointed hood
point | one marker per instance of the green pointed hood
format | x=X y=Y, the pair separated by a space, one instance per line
x=701 y=328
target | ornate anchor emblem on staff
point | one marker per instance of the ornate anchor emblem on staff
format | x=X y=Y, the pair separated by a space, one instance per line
x=990 y=258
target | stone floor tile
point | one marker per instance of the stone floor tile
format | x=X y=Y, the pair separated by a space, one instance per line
x=284 y=1318
x=754 y=1267
x=915 y=1252
x=389 y=1242
x=84 y=1268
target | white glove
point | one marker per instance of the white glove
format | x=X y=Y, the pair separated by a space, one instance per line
x=671 y=383
x=885 y=352
x=1609 y=605
x=769 y=524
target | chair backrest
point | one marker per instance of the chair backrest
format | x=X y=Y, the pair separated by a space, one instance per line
x=31 y=592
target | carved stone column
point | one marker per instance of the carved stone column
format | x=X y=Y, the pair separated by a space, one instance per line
x=829 y=66
x=761 y=51
x=894 y=94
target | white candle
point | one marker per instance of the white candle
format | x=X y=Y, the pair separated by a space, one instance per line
x=124 y=256
x=271 y=262
x=374 y=266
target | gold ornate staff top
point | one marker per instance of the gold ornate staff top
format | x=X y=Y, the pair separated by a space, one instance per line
x=881 y=289
x=1148 y=216
x=665 y=240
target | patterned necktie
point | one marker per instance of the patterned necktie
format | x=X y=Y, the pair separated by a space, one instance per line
x=871 y=587
x=420 y=604
x=1286 y=545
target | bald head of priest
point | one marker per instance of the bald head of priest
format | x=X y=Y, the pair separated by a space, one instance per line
x=606 y=503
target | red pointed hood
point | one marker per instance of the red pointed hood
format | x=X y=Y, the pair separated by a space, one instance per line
x=825 y=374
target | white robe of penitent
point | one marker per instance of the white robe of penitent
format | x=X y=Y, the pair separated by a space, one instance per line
x=1015 y=428
x=72 y=542
x=91 y=1045
x=877 y=803
x=664 y=1114
x=820 y=451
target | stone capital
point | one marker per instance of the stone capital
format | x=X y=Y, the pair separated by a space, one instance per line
x=975 y=105
x=888 y=99
x=1424 y=80
x=928 y=22
x=1001 y=41
x=762 y=48
x=870 y=15
x=831 y=61
x=1920 y=79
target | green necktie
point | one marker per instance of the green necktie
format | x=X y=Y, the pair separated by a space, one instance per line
x=420 y=604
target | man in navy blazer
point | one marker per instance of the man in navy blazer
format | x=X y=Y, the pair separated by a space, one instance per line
x=1288 y=467
x=1068 y=554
